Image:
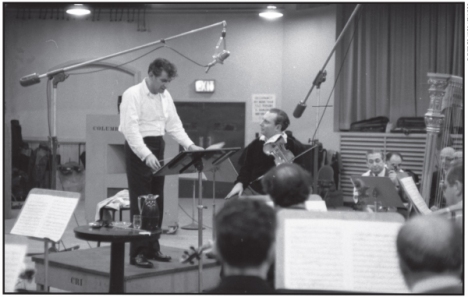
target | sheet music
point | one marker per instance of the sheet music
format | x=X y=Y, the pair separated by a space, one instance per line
x=342 y=256
x=312 y=205
x=14 y=259
x=45 y=216
x=413 y=193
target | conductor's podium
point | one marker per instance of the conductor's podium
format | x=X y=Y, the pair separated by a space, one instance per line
x=87 y=271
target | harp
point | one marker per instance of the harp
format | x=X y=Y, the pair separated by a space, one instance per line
x=443 y=119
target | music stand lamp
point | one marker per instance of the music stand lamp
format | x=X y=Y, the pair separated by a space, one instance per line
x=59 y=75
x=191 y=162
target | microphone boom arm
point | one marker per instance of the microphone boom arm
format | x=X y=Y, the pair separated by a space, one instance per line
x=317 y=81
x=35 y=78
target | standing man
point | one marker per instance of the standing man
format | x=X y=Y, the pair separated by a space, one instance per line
x=256 y=162
x=146 y=112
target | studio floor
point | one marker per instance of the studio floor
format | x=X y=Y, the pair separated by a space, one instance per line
x=182 y=239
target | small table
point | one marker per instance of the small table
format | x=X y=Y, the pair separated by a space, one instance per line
x=117 y=237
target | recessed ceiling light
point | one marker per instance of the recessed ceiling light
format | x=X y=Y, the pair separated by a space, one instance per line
x=78 y=9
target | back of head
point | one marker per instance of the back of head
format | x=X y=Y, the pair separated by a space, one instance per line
x=245 y=232
x=287 y=184
x=430 y=244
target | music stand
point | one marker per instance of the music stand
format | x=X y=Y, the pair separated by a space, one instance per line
x=191 y=162
x=379 y=189
x=222 y=172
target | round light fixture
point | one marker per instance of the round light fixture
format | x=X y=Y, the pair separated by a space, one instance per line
x=78 y=9
x=271 y=13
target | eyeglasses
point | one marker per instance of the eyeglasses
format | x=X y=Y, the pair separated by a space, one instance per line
x=376 y=161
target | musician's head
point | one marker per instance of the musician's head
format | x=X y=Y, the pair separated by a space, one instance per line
x=287 y=184
x=245 y=236
x=160 y=74
x=375 y=161
x=446 y=157
x=428 y=246
x=457 y=156
x=394 y=160
x=453 y=184
x=274 y=122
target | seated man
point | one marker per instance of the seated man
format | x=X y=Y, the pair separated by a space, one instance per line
x=430 y=250
x=436 y=199
x=256 y=162
x=288 y=185
x=457 y=156
x=453 y=191
x=376 y=167
x=245 y=236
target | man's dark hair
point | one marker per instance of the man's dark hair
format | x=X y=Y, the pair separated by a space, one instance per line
x=391 y=154
x=430 y=244
x=281 y=118
x=287 y=184
x=455 y=173
x=160 y=64
x=245 y=232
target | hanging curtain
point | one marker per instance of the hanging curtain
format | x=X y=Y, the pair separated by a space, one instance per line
x=386 y=54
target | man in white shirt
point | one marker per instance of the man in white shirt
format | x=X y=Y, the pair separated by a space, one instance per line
x=147 y=111
x=430 y=252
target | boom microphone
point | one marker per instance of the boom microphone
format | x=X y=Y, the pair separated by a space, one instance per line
x=299 y=110
x=219 y=58
x=29 y=80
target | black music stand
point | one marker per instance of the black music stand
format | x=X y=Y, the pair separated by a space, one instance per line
x=379 y=189
x=197 y=161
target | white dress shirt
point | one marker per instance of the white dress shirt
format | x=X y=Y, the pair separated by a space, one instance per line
x=145 y=114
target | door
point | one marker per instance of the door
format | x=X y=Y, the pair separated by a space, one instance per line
x=208 y=123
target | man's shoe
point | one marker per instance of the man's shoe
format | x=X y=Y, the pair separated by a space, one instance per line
x=158 y=256
x=141 y=261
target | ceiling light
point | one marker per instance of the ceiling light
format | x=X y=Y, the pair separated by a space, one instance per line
x=271 y=13
x=78 y=9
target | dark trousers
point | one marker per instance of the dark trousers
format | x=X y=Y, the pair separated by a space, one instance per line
x=142 y=182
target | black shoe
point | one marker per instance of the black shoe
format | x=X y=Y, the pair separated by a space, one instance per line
x=158 y=256
x=141 y=261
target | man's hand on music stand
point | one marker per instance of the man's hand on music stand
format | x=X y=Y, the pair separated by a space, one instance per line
x=194 y=147
x=152 y=162
x=236 y=190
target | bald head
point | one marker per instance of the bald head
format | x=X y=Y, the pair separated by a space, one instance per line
x=446 y=156
x=430 y=244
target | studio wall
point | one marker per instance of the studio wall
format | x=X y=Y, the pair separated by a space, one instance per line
x=278 y=57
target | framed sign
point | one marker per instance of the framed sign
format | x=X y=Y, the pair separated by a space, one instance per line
x=261 y=103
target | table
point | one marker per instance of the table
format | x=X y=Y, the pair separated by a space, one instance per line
x=117 y=237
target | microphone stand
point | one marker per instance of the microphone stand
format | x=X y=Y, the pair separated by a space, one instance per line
x=59 y=75
x=321 y=74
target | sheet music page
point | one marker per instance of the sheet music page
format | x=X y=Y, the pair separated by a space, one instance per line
x=342 y=255
x=45 y=216
x=413 y=193
x=14 y=259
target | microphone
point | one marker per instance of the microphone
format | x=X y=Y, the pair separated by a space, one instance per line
x=29 y=80
x=299 y=110
x=218 y=58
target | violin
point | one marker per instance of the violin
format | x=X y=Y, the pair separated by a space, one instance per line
x=279 y=151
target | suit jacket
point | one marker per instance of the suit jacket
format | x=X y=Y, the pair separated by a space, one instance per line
x=242 y=284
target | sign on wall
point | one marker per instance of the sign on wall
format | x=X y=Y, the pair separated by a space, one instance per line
x=261 y=103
